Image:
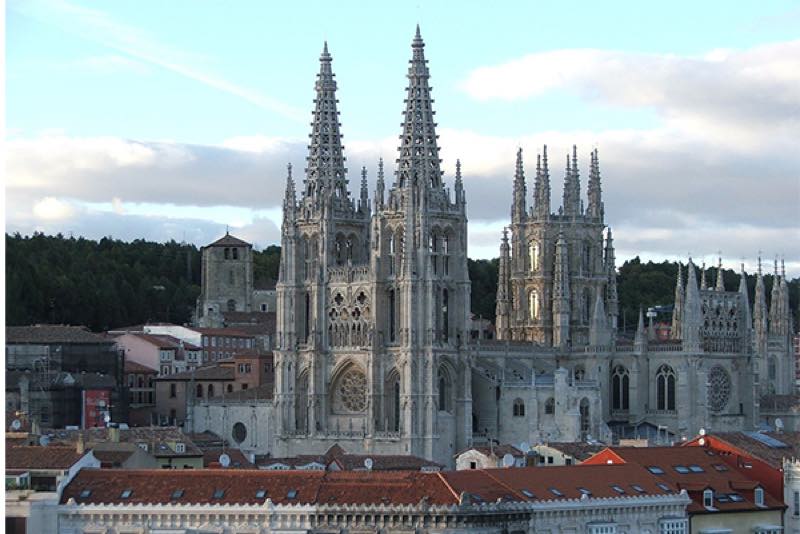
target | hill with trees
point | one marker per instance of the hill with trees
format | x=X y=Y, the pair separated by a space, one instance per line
x=111 y=283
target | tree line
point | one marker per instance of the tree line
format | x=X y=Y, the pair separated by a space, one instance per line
x=111 y=283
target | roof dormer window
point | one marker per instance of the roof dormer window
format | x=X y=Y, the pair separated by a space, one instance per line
x=759 y=496
x=708 y=498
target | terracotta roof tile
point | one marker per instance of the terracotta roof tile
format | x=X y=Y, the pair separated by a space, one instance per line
x=693 y=469
x=36 y=457
x=48 y=333
x=758 y=448
x=241 y=486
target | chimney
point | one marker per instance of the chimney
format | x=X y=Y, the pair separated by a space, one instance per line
x=113 y=434
x=80 y=448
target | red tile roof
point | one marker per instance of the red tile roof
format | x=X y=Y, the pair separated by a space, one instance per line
x=354 y=462
x=229 y=240
x=579 y=450
x=241 y=486
x=135 y=367
x=712 y=472
x=36 y=457
x=749 y=443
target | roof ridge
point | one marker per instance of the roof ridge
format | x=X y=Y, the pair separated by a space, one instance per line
x=448 y=486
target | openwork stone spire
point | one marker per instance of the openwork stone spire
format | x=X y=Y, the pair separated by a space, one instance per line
x=520 y=190
x=419 y=153
x=677 y=310
x=289 y=199
x=594 y=193
x=502 y=307
x=690 y=329
x=760 y=306
x=380 y=187
x=572 y=186
x=326 y=171
x=541 y=188
x=459 y=187
x=720 y=283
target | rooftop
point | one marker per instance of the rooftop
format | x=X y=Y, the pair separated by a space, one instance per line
x=160 y=440
x=354 y=462
x=50 y=333
x=694 y=469
x=578 y=450
x=498 y=450
x=135 y=367
x=228 y=240
x=37 y=457
x=213 y=371
x=771 y=447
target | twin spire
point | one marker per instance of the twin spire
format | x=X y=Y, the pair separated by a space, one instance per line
x=325 y=186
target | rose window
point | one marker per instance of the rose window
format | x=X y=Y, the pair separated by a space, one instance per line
x=353 y=391
x=719 y=388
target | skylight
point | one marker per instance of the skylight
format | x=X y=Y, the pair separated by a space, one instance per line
x=528 y=493
x=682 y=469
x=177 y=494
x=260 y=494
x=655 y=469
x=618 y=489
x=585 y=491
x=126 y=494
x=292 y=494
x=85 y=493
x=664 y=487
x=720 y=467
x=723 y=498
x=638 y=488
x=556 y=492
x=735 y=497
x=694 y=468
x=218 y=493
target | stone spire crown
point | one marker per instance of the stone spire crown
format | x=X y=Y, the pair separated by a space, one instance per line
x=720 y=283
x=594 y=191
x=380 y=187
x=326 y=171
x=520 y=190
x=541 y=189
x=419 y=152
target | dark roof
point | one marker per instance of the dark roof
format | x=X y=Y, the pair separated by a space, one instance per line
x=206 y=372
x=354 y=462
x=579 y=450
x=238 y=460
x=229 y=240
x=253 y=323
x=222 y=332
x=135 y=367
x=37 y=457
x=160 y=440
x=45 y=333
x=113 y=457
x=164 y=341
x=676 y=463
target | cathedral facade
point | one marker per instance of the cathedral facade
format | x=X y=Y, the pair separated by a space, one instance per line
x=373 y=311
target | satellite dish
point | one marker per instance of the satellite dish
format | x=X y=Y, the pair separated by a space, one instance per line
x=701 y=441
x=368 y=463
x=508 y=460
x=524 y=446
x=702 y=432
x=778 y=424
x=44 y=441
x=107 y=418
x=224 y=460
x=16 y=424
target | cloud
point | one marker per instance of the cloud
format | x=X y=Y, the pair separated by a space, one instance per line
x=52 y=209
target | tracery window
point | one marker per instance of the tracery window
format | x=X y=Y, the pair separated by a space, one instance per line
x=444 y=390
x=620 y=388
x=665 y=388
x=351 y=391
x=719 y=388
x=585 y=420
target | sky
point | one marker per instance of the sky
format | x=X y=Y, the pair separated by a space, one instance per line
x=174 y=120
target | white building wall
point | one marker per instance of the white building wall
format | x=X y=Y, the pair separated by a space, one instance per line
x=220 y=418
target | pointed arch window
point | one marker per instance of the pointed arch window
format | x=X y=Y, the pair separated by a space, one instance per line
x=533 y=304
x=585 y=419
x=392 y=316
x=533 y=255
x=620 y=388
x=396 y=402
x=665 y=388
x=445 y=315
x=519 y=408
x=444 y=390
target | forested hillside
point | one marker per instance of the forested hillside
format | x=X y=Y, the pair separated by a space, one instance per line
x=110 y=283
